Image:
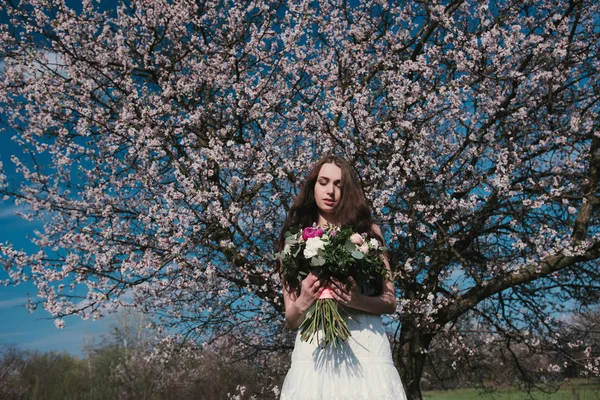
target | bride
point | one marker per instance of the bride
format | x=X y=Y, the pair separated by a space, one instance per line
x=362 y=367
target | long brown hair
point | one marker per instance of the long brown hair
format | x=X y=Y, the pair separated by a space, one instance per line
x=351 y=211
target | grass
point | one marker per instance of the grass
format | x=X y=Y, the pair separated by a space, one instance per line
x=573 y=390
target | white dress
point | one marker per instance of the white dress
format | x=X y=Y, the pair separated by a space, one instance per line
x=359 y=369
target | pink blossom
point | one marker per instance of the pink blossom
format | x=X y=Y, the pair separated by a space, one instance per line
x=357 y=239
x=364 y=248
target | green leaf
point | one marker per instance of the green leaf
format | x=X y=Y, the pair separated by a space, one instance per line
x=295 y=253
x=351 y=247
x=317 y=261
x=291 y=241
x=359 y=255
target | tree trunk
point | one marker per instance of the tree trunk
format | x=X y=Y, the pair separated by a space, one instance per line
x=411 y=353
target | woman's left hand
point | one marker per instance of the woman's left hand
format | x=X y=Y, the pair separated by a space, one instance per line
x=348 y=297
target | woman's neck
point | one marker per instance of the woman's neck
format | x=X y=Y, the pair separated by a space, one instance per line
x=326 y=220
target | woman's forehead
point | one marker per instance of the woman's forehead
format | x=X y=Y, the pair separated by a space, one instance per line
x=331 y=171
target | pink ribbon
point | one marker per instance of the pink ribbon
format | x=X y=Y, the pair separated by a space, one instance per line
x=326 y=294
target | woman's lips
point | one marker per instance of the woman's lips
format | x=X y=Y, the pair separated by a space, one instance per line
x=329 y=202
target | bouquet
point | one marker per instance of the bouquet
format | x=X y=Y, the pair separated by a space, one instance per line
x=331 y=253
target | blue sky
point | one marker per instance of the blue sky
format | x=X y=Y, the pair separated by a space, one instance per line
x=35 y=331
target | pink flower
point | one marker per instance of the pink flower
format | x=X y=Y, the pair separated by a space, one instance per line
x=310 y=232
x=364 y=248
x=357 y=239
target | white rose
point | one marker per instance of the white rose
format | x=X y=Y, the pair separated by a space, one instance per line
x=312 y=247
x=374 y=243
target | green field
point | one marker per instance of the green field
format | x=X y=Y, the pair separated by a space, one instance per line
x=575 y=390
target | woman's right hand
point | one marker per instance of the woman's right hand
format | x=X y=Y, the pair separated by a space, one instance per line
x=310 y=290
x=296 y=306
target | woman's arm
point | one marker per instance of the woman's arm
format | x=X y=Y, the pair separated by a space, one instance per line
x=296 y=305
x=382 y=304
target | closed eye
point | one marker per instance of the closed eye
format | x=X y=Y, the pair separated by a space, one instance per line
x=325 y=181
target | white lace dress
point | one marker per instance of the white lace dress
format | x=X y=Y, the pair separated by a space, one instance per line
x=359 y=369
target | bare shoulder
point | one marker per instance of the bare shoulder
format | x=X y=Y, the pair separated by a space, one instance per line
x=376 y=229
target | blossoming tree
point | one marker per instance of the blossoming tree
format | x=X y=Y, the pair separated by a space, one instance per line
x=164 y=142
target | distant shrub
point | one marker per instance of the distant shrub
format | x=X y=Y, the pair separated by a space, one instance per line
x=34 y=375
x=118 y=373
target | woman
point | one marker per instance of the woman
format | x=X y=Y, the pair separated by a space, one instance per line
x=362 y=367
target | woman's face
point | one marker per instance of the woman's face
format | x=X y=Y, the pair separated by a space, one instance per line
x=328 y=187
